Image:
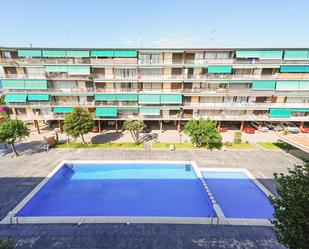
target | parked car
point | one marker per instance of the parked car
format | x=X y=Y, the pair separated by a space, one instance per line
x=305 y=130
x=223 y=129
x=272 y=126
x=290 y=127
x=262 y=128
x=95 y=129
x=248 y=130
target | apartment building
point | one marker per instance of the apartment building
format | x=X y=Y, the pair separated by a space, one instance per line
x=157 y=85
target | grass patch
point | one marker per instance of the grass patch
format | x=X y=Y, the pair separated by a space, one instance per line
x=184 y=146
x=241 y=146
x=98 y=145
x=273 y=146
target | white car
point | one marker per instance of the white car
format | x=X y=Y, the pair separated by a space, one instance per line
x=272 y=126
x=290 y=127
x=262 y=128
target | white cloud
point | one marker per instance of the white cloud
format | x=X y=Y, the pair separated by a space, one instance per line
x=177 y=41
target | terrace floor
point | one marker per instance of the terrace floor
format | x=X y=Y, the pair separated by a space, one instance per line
x=20 y=175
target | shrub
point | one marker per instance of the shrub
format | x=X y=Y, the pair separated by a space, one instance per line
x=237 y=137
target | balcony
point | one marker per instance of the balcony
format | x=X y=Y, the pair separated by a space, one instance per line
x=22 y=76
x=219 y=117
x=114 y=77
x=69 y=61
x=243 y=105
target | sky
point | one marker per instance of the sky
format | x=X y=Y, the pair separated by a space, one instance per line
x=154 y=23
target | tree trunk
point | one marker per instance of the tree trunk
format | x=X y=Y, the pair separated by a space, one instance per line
x=133 y=136
x=137 y=136
x=83 y=138
x=14 y=149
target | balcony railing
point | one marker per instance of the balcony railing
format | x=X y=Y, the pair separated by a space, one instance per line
x=23 y=76
x=69 y=61
x=222 y=117
x=141 y=77
x=244 y=105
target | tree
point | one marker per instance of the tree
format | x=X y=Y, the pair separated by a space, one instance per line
x=7 y=244
x=2 y=100
x=203 y=132
x=12 y=131
x=292 y=208
x=135 y=127
x=78 y=123
x=237 y=137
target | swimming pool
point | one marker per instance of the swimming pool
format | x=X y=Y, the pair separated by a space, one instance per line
x=238 y=194
x=144 y=192
x=121 y=189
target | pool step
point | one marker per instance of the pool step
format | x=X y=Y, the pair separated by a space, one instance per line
x=216 y=207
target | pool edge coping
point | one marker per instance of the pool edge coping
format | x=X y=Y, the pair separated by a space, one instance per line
x=10 y=218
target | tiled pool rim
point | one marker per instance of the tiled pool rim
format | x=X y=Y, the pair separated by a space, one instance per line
x=11 y=217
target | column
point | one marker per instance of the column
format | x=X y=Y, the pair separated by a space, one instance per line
x=219 y=124
x=242 y=125
x=161 y=125
x=116 y=125
x=60 y=126
x=301 y=125
x=99 y=125
x=36 y=125
x=178 y=126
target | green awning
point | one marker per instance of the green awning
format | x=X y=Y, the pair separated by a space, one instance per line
x=105 y=97
x=258 y=85
x=38 y=97
x=125 y=53
x=220 y=69
x=79 y=70
x=29 y=53
x=106 y=112
x=62 y=109
x=304 y=85
x=271 y=54
x=127 y=97
x=149 y=111
x=18 y=98
x=62 y=69
x=54 y=53
x=77 y=53
x=294 y=69
x=36 y=84
x=300 y=109
x=24 y=84
x=247 y=54
x=102 y=53
x=296 y=54
x=260 y=54
x=149 y=99
x=196 y=66
x=161 y=51
x=171 y=99
x=279 y=113
x=13 y=84
x=287 y=85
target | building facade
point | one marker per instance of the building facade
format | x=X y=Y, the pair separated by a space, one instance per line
x=157 y=85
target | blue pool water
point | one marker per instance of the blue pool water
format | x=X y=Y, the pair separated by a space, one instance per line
x=238 y=196
x=168 y=190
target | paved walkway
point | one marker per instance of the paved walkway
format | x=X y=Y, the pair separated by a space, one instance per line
x=20 y=175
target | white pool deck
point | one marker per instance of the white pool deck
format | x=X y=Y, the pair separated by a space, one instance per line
x=11 y=217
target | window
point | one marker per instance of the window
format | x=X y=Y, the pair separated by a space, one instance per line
x=150 y=58
x=125 y=73
x=35 y=70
